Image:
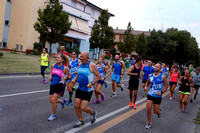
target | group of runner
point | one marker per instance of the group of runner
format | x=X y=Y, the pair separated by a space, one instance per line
x=91 y=77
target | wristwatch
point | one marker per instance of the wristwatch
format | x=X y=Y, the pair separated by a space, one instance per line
x=92 y=82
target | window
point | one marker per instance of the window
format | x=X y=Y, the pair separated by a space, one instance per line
x=73 y=3
x=21 y=47
x=9 y=0
x=92 y=13
x=7 y=22
x=17 y=46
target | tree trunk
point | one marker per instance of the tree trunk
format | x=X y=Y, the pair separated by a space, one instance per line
x=50 y=49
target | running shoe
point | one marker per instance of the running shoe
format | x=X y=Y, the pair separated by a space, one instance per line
x=52 y=117
x=144 y=95
x=94 y=116
x=96 y=102
x=122 y=87
x=185 y=109
x=79 y=124
x=134 y=106
x=194 y=98
x=180 y=110
x=170 y=98
x=102 y=97
x=148 y=126
x=114 y=95
x=159 y=115
x=170 y=95
x=44 y=81
x=106 y=84
x=130 y=104
x=63 y=103
x=69 y=103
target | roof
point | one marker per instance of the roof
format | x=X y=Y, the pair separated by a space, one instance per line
x=87 y=2
x=134 y=32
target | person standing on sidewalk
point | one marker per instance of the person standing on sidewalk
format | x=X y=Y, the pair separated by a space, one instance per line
x=185 y=83
x=117 y=74
x=59 y=74
x=86 y=81
x=44 y=58
x=134 y=72
x=156 y=81
x=196 y=80
x=104 y=74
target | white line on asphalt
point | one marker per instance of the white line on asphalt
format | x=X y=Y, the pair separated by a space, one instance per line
x=25 y=76
x=103 y=117
x=32 y=92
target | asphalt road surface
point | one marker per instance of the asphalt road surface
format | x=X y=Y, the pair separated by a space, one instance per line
x=25 y=107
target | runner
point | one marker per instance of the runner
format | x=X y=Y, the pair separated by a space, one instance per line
x=104 y=74
x=196 y=80
x=145 y=73
x=62 y=51
x=174 y=76
x=86 y=80
x=144 y=63
x=185 y=83
x=58 y=75
x=134 y=72
x=164 y=69
x=107 y=64
x=156 y=81
x=132 y=61
x=73 y=66
x=117 y=75
x=44 y=58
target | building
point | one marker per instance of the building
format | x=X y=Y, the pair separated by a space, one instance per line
x=119 y=33
x=16 y=27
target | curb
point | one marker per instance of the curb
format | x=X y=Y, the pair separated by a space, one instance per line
x=18 y=74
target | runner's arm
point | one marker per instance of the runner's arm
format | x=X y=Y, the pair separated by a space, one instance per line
x=66 y=71
x=192 y=83
x=129 y=71
x=106 y=70
x=165 y=84
x=96 y=72
x=50 y=75
x=124 y=68
x=108 y=64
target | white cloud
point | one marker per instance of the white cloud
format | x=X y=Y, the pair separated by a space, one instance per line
x=189 y=25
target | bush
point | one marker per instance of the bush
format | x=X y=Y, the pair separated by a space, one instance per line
x=29 y=51
x=36 y=52
x=107 y=57
x=69 y=49
x=58 y=49
x=37 y=46
x=76 y=50
x=14 y=51
x=1 y=54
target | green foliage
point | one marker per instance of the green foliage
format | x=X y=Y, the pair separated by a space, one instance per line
x=37 y=46
x=58 y=49
x=1 y=54
x=107 y=57
x=76 y=50
x=14 y=51
x=102 y=35
x=52 y=23
x=141 y=45
x=36 y=52
x=69 y=49
x=113 y=52
x=127 y=46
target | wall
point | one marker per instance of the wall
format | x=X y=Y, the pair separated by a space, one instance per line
x=2 y=16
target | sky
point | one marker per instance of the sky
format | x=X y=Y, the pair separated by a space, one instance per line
x=157 y=14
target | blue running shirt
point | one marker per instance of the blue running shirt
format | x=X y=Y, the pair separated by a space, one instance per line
x=101 y=71
x=117 y=68
x=85 y=76
x=147 y=70
x=156 y=85
x=73 y=66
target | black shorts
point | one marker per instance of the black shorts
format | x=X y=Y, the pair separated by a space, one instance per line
x=57 y=89
x=196 y=86
x=83 y=95
x=156 y=100
x=133 y=84
x=144 y=81
x=172 y=83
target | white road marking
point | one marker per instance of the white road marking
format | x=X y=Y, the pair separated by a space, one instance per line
x=24 y=76
x=73 y=130
x=32 y=92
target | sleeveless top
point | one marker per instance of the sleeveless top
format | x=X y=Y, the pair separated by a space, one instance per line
x=57 y=74
x=117 y=68
x=183 y=87
x=44 y=58
x=85 y=76
x=174 y=77
x=164 y=70
x=73 y=66
x=135 y=70
x=156 y=85
x=104 y=62
x=101 y=71
x=195 y=79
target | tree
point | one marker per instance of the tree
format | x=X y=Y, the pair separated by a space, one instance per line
x=52 y=23
x=127 y=46
x=141 y=45
x=102 y=35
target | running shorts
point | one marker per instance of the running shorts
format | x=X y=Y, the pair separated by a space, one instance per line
x=116 y=78
x=196 y=86
x=172 y=83
x=156 y=100
x=133 y=84
x=144 y=81
x=185 y=93
x=101 y=82
x=57 y=89
x=83 y=95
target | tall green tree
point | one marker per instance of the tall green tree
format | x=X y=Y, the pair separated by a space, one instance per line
x=141 y=45
x=102 y=34
x=127 y=46
x=52 y=23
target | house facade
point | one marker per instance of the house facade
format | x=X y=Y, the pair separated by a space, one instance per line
x=16 y=27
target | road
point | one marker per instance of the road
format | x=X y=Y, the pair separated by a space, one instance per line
x=25 y=107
